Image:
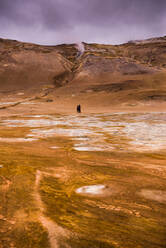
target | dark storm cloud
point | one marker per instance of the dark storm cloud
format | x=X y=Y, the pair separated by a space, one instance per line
x=17 y=12
x=47 y=21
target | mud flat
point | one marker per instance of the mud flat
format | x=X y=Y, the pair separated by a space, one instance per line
x=143 y=131
x=66 y=175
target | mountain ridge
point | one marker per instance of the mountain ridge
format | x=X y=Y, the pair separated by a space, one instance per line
x=130 y=73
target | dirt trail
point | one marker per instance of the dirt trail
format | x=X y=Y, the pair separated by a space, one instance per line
x=54 y=231
x=43 y=94
x=19 y=102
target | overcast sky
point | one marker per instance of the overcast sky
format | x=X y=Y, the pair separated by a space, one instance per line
x=70 y=21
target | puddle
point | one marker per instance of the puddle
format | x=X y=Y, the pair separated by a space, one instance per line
x=155 y=195
x=92 y=190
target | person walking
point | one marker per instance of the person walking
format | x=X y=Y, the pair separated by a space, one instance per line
x=79 y=108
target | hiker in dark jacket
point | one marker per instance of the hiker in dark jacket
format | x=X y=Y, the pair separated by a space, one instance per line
x=79 y=108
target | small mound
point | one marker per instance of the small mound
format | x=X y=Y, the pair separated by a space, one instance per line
x=92 y=190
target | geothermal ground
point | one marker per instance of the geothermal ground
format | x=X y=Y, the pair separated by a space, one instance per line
x=82 y=181
x=90 y=180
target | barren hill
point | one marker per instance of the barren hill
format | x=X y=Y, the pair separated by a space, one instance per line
x=131 y=74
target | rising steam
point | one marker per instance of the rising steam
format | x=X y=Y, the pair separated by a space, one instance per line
x=81 y=48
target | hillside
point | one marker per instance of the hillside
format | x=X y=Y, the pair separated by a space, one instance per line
x=104 y=75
